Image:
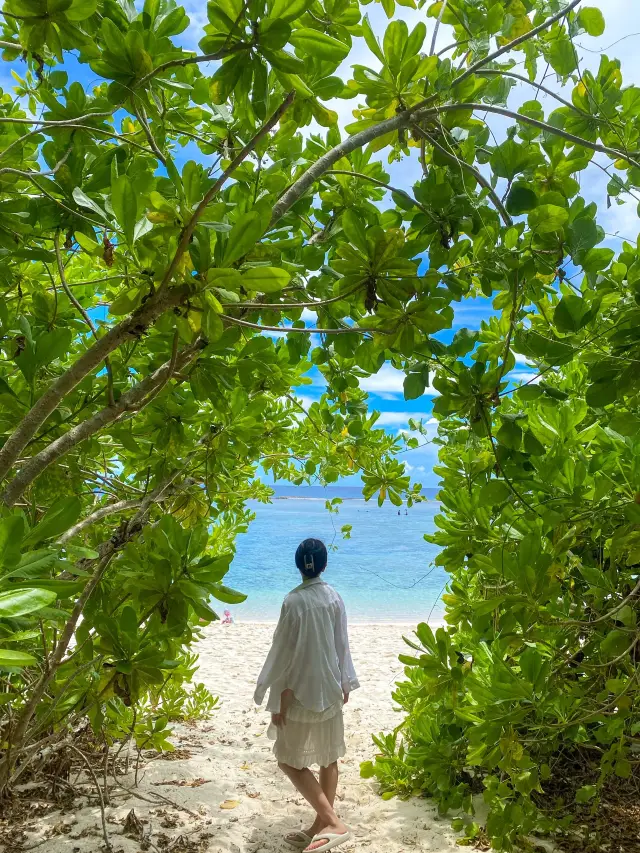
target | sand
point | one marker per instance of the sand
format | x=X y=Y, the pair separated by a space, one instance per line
x=229 y=758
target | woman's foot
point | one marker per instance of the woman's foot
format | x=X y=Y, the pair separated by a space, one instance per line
x=320 y=835
x=299 y=839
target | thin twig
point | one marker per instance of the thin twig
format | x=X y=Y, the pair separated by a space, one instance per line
x=508 y=221
x=515 y=42
x=190 y=227
x=85 y=316
x=345 y=330
x=99 y=792
x=142 y=118
x=437 y=27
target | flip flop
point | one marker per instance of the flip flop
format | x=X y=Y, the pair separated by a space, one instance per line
x=332 y=840
x=299 y=839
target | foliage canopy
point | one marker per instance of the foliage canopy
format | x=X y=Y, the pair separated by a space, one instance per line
x=146 y=371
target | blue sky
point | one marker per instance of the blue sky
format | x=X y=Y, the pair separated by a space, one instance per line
x=385 y=388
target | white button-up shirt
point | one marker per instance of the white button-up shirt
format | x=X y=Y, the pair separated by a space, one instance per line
x=310 y=651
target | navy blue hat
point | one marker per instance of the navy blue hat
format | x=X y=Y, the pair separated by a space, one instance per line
x=311 y=557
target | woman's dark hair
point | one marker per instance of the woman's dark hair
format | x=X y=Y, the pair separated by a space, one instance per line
x=311 y=557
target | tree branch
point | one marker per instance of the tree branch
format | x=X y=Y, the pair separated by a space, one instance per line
x=541 y=125
x=515 y=42
x=437 y=27
x=192 y=60
x=133 y=327
x=135 y=399
x=26 y=174
x=190 y=227
x=508 y=221
x=502 y=73
x=306 y=331
x=381 y=184
x=102 y=512
x=324 y=163
x=142 y=118
x=82 y=312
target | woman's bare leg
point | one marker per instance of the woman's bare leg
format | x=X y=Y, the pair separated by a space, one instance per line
x=306 y=783
x=329 y=781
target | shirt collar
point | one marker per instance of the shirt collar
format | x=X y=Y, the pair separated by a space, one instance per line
x=310 y=582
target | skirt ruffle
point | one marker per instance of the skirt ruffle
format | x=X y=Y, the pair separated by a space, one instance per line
x=309 y=739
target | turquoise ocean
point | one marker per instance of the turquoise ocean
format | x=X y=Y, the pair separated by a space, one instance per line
x=385 y=572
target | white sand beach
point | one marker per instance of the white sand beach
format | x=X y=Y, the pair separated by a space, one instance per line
x=228 y=761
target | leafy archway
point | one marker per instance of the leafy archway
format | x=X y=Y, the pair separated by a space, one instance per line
x=146 y=372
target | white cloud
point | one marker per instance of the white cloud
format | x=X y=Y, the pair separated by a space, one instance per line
x=530 y=378
x=388 y=383
x=401 y=418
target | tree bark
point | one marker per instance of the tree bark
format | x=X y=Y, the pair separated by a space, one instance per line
x=133 y=327
x=130 y=400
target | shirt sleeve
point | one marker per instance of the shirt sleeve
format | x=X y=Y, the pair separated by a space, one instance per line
x=278 y=662
x=347 y=670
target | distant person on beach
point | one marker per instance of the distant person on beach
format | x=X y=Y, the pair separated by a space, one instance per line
x=228 y=618
x=309 y=674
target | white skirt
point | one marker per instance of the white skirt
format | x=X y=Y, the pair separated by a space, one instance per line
x=309 y=737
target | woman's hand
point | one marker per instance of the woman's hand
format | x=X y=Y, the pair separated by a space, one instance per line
x=286 y=698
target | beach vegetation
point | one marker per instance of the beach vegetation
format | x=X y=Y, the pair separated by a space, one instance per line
x=171 y=218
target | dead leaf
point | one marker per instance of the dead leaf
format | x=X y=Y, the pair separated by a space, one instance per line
x=254 y=795
x=230 y=804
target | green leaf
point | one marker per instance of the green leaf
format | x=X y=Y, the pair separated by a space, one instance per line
x=125 y=206
x=226 y=78
x=10 y=658
x=601 y=394
x=414 y=386
x=371 y=40
x=494 y=492
x=597 y=259
x=510 y=435
x=582 y=235
x=243 y=236
x=570 y=313
x=562 y=55
x=61 y=515
x=265 y=279
x=367 y=770
x=586 y=793
x=521 y=199
x=614 y=644
x=53 y=345
x=355 y=230
x=319 y=45
x=547 y=218
x=395 y=41
x=274 y=33
x=622 y=768
x=62 y=588
x=591 y=20
x=227 y=595
x=510 y=158
x=84 y=201
x=11 y=532
x=289 y=10
x=80 y=10
x=532 y=664
x=20 y=602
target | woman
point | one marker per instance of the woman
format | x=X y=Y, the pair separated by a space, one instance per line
x=309 y=674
